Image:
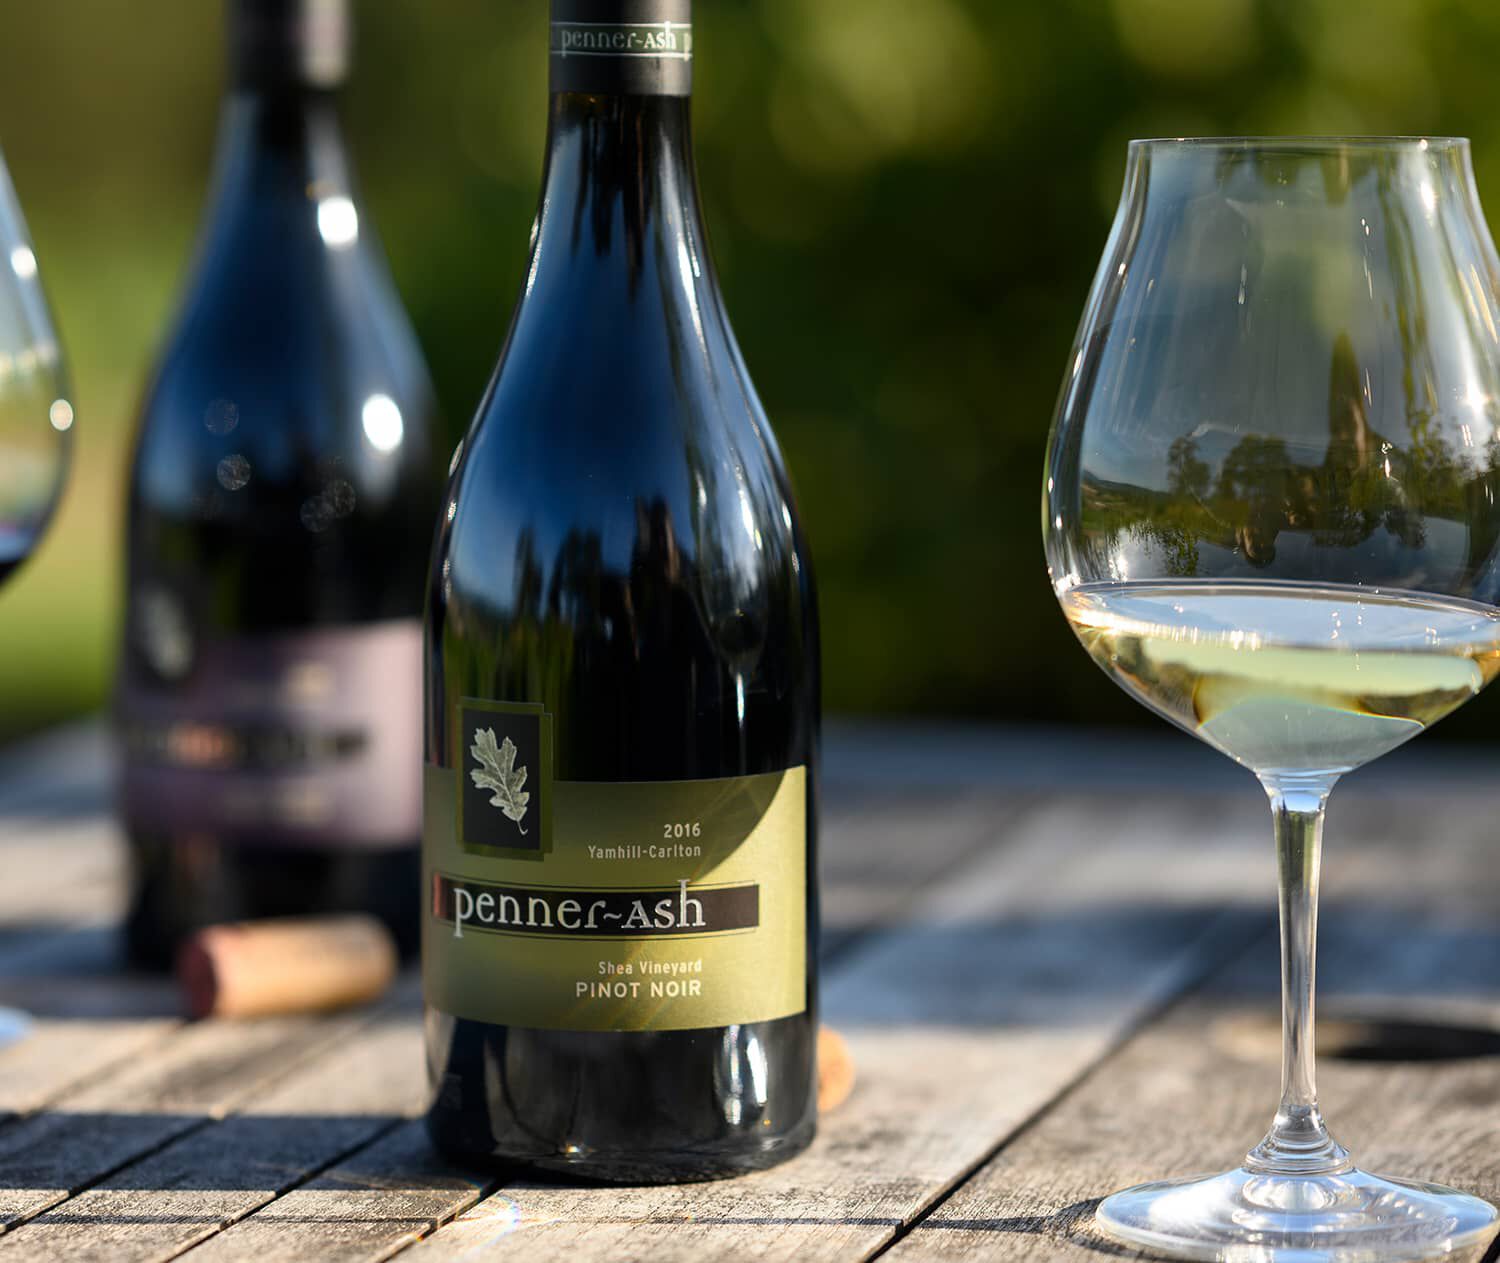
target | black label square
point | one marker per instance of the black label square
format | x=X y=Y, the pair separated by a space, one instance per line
x=505 y=777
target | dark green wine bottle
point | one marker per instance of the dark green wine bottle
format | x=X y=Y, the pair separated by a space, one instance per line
x=280 y=511
x=622 y=683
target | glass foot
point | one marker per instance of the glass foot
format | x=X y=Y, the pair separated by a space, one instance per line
x=1249 y=1217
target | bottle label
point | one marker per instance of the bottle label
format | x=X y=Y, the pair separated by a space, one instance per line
x=309 y=738
x=602 y=906
x=622 y=47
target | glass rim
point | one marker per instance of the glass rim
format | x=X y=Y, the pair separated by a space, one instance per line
x=1302 y=144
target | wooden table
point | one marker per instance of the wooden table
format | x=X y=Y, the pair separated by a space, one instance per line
x=1053 y=955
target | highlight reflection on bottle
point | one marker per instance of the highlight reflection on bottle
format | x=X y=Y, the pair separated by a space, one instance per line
x=622 y=683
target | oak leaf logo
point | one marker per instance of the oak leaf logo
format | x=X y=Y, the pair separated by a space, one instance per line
x=497 y=772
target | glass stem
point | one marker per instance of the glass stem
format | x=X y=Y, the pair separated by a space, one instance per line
x=1298 y=1142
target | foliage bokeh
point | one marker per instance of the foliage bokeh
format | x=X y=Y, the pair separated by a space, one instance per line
x=907 y=203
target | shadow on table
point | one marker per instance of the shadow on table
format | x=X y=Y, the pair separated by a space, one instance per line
x=1073 y=1224
x=1045 y=969
x=1055 y=969
x=187 y=1154
x=78 y=972
x=1035 y=969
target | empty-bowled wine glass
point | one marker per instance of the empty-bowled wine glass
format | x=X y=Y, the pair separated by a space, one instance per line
x=1270 y=515
x=35 y=416
x=35 y=412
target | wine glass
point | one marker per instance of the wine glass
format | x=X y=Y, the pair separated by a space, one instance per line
x=35 y=413
x=1270 y=515
x=36 y=418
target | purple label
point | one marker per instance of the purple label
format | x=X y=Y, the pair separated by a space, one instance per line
x=310 y=738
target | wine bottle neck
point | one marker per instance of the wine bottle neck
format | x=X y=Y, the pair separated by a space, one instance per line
x=286 y=47
x=620 y=182
x=622 y=47
x=282 y=179
x=295 y=140
x=619 y=197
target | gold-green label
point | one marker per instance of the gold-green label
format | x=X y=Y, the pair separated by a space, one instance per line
x=573 y=905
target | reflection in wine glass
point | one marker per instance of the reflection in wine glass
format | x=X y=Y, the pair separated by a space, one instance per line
x=36 y=418
x=1270 y=515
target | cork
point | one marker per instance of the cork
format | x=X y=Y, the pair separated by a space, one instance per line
x=290 y=965
x=835 y=1070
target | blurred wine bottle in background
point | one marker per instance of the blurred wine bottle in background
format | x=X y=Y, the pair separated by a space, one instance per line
x=281 y=505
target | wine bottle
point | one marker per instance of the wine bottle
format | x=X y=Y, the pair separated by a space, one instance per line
x=280 y=514
x=622 y=683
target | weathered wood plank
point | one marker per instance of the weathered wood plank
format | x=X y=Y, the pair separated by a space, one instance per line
x=1007 y=983
x=884 y=876
x=79 y=973
x=1067 y=760
x=59 y=872
x=1147 y=889
x=64 y=772
x=881 y=849
x=81 y=976
x=56 y=1055
x=876 y=837
x=183 y=1193
x=370 y=1206
x=84 y=1014
x=62 y=854
x=1192 y=1097
x=199 y=1074
x=58 y=955
x=1191 y=1093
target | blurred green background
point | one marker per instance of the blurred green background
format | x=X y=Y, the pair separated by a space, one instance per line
x=907 y=201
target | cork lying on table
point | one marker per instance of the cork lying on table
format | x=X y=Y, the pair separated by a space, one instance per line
x=291 y=965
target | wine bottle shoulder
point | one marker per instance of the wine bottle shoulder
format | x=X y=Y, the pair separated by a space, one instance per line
x=284 y=472
x=637 y=529
x=282 y=354
x=290 y=316
x=585 y=434
x=621 y=374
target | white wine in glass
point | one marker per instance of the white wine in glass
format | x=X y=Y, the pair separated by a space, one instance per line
x=1270 y=515
x=1286 y=677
